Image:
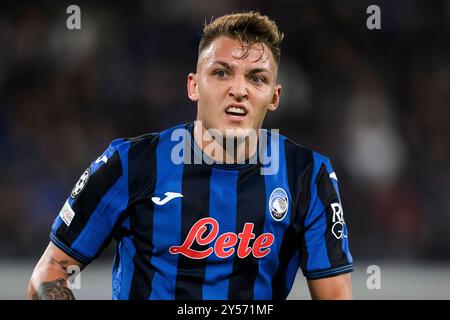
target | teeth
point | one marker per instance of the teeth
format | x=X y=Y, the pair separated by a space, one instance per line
x=236 y=110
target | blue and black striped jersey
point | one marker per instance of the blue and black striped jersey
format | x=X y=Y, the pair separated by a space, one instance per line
x=198 y=230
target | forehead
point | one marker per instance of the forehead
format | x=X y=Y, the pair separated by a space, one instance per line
x=233 y=52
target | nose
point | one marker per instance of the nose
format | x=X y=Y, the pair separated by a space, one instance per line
x=238 y=89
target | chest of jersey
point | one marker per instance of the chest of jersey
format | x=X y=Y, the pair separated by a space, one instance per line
x=204 y=212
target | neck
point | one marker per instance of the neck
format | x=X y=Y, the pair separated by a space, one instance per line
x=225 y=148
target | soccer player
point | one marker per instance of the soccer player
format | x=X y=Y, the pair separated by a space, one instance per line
x=213 y=209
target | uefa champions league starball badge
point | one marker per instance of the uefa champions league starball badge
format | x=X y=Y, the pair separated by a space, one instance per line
x=278 y=204
x=81 y=183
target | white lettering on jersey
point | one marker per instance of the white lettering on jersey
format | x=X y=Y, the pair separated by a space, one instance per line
x=338 y=227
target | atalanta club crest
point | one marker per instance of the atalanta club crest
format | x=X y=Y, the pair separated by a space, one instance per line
x=80 y=184
x=278 y=204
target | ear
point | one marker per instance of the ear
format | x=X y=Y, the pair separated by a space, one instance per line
x=276 y=98
x=192 y=87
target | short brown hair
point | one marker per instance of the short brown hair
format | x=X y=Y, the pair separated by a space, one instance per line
x=247 y=27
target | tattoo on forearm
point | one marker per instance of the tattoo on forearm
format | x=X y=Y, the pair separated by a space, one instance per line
x=53 y=290
x=62 y=263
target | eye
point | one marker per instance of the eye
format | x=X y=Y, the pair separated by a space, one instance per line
x=221 y=74
x=257 y=79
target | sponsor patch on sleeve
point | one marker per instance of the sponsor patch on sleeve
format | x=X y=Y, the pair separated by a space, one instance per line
x=67 y=213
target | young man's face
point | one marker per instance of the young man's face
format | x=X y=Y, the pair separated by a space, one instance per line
x=232 y=91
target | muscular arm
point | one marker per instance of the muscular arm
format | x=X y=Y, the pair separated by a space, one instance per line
x=49 y=278
x=333 y=288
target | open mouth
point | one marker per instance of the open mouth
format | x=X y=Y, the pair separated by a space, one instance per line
x=236 y=111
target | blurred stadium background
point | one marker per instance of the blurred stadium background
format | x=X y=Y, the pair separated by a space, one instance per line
x=376 y=102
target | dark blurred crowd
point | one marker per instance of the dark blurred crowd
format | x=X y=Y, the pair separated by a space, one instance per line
x=377 y=102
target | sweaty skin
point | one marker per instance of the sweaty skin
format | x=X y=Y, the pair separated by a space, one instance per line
x=229 y=73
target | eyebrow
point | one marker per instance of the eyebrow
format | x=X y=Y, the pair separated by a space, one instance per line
x=252 y=71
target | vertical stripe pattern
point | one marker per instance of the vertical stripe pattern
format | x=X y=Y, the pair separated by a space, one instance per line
x=328 y=195
x=250 y=191
x=138 y=246
x=166 y=220
x=191 y=272
x=315 y=227
x=299 y=166
x=268 y=265
x=222 y=207
x=125 y=269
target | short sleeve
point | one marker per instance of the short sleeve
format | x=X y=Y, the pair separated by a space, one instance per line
x=324 y=248
x=87 y=219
